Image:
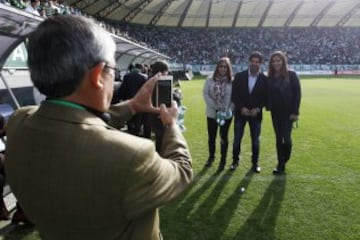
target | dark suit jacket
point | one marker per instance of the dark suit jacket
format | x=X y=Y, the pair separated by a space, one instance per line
x=131 y=84
x=79 y=178
x=241 y=96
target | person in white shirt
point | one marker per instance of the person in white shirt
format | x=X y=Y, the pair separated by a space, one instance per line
x=249 y=95
x=33 y=7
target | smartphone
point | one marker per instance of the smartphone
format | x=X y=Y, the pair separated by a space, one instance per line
x=163 y=91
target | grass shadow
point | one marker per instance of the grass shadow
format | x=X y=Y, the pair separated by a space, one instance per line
x=207 y=221
x=16 y=232
x=184 y=206
x=262 y=221
x=220 y=219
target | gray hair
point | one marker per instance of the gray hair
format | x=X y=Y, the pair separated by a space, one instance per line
x=62 y=49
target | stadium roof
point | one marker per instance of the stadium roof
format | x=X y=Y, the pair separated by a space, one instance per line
x=226 y=13
x=16 y=25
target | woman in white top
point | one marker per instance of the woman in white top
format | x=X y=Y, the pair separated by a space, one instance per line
x=217 y=96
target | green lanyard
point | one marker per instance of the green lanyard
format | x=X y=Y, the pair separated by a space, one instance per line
x=66 y=103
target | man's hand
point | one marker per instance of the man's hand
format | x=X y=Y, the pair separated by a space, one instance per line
x=245 y=111
x=254 y=112
x=168 y=115
x=141 y=102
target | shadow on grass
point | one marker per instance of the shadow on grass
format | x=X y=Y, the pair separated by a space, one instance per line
x=262 y=221
x=198 y=215
x=15 y=232
x=217 y=222
x=180 y=220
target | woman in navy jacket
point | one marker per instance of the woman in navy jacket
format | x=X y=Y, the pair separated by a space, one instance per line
x=284 y=103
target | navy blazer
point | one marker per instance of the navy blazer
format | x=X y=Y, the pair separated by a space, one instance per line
x=241 y=96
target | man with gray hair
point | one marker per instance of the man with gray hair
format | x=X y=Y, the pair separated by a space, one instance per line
x=75 y=175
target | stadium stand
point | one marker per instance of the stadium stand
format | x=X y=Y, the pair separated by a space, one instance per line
x=190 y=32
x=311 y=44
x=303 y=45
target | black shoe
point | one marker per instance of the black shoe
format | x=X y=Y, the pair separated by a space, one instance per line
x=220 y=169
x=20 y=219
x=278 y=171
x=209 y=162
x=233 y=166
x=256 y=168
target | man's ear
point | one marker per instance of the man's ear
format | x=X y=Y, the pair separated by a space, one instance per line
x=95 y=75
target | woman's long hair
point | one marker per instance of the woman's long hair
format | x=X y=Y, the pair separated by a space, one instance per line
x=229 y=73
x=284 y=71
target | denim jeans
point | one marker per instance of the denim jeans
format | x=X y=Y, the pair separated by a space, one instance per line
x=255 y=130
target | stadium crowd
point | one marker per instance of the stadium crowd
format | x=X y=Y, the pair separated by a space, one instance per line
x=311 y=45
x=302 y=45
x=47 y=8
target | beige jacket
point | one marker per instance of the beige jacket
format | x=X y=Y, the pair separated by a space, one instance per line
x=78 y=178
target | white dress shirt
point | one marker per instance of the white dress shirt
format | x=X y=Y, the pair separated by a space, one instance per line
x=252 y=81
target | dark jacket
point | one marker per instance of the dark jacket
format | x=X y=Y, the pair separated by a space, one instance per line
x=131 y=84
x=241 y=96
x=284 y=97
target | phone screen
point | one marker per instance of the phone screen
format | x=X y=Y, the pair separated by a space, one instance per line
x=164 y=91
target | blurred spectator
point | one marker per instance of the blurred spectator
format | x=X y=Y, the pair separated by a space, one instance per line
x=51 y=8
x=19 y=216
x=4 y=214
x=18 y=4
x=33 y=7
x=42 y=11
x=133 y=81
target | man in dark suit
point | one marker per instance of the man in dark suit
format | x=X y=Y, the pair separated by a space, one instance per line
x=133 y=81
x=249 y=95
x=75 y=174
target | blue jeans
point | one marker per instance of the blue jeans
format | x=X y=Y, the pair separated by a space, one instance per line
x=255 y=130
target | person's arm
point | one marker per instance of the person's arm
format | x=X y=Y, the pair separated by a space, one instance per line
x=228 y=102
x=295 y=85
x=261 y=97
x=119 y=114
x=264 y=98
x=269 y=94
x=154 y=180
x=237 y=95
x=236 y=92
x=206 y=94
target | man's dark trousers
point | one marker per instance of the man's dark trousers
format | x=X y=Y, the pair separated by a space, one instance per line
x=255 y=130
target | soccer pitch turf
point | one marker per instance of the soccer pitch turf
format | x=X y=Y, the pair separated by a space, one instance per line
x=319 y=196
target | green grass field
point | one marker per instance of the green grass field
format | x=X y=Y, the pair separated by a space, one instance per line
x=318 y=198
